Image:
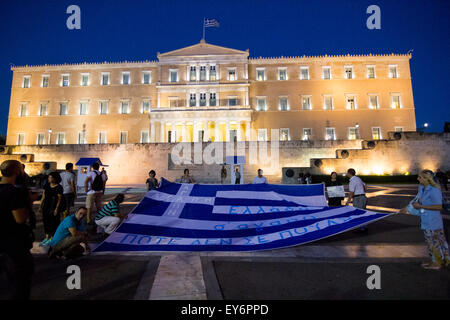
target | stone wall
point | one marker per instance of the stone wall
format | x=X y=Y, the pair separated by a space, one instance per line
x=129 y=163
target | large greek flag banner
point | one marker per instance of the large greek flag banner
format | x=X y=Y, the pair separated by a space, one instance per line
x=248 y=217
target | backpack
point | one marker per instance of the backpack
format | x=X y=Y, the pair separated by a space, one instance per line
x=97 y=184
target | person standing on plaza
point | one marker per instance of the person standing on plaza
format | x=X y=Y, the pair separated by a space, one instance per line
x=52 y=204
x=105 y=178
x=442 y=179
x=428 y=205
x=108 y=217
x=308 y=178
x=69 y=188
x=94 y=186
x=186 y=178
x=223 y=174
x=357 y=193
x=152 y=183
x=16 y=237
x=259 y=178
x=334 y=182
x=237 y=175
x=301 y=178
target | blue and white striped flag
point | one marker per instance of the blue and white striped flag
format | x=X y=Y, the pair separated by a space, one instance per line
x=249 y=217
x=210 y=23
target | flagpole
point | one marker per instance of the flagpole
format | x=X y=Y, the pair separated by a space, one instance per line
x=203 y=29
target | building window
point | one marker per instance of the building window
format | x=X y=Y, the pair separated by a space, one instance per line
x=60 y=138
x=282 y=73
x=23 y=110
x=173 y=102
x=43 y=109
x=173 y=76
x=63 y=109
x=376 y=133
x=304 y=73
x=105 y=79
x=192 y=100
x=212 y=73
x=101 y=137
x=202 y=99
x=146 y=77
x=307 y=133
x=123 y=137
x=262 y=134
x=306 y=102
x=84 y=79
x=330 y=134
x=21 y=139
x=26 y=82
x=283 y=104
x=396 y=102
x=373 y=102
x=232 y=101
x=398 y=129
x=145 y=137
x=370 y=72
x=125 y=78
x=124 y=107
x=172 y=136
x=328 y=103
x=82 y=137
x=83 y=108
x=284 y=134
x=40 y=139
x=65 y=80
x=212 y=99
x=351 y=102
x=352 y=133
x=203 y=73
x=393 y=71
x=145 y=106
x=326 y=73
x=348 y=72
x=261 y=74
x=261 y=104
x=103 y=107
x=45 y=81
x=232 y=74
x=193 y=73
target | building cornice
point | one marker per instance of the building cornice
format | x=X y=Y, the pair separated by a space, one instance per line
x=87 y=66
x=326 y=57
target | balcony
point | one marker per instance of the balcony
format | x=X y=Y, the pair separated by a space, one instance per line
x=183 y=104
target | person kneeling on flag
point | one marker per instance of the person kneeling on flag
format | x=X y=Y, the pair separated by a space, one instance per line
x=70 y=240
x=108 y=216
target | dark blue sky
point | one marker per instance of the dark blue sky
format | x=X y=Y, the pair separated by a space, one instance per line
x=34 y=32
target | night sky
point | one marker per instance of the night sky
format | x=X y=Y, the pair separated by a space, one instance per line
x=34 y=32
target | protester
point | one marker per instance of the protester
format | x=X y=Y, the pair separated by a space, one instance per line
x=152 y=183
x=69 y=188
x=357 y=193
x=260 y=178
x=186 y=178
x=108 y=217
x=237 y=175
x=333 y=182
x=223 y=174
x=308 y=178
x=94 y=186
x=44 y=174
x=442 y=179
x=70 y=240
x=105 y=178
x=428 y=204
x=301 y=178
x=16 y=237
x=52 y=204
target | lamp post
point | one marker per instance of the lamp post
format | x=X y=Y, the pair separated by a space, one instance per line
x=423 y=128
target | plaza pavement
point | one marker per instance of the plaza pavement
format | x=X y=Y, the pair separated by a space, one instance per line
x=332 y=268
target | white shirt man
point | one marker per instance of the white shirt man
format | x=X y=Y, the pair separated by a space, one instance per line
x=93 y=196
x=260 y=178
x=357 y=193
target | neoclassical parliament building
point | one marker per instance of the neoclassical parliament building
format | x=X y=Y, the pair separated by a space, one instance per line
x=206 y=92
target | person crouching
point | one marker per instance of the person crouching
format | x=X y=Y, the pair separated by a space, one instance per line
x=108 y=216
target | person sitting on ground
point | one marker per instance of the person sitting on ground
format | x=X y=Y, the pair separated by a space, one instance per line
x=152 y=183
x=260 y=178
x=186 y=178
x=70 y=240
x=108 y=217
x=428 y=205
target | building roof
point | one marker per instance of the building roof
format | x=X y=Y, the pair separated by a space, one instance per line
x=202 y=49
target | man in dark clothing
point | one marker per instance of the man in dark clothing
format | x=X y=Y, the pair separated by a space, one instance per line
x=16 y=237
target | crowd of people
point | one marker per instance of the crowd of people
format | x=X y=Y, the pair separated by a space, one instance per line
x=66 y=228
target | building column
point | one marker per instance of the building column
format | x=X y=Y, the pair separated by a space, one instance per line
x=206 y=131
x=162 y=131
x=247 y=131
x=194 y=132
x=216 y=131
x=227 y=131
x=239 y=133
x=183 y=132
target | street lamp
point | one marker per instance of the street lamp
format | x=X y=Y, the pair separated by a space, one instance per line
x=424 y=127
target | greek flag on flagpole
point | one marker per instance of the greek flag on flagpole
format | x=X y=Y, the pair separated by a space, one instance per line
x=210 y=23
x=248 y=217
